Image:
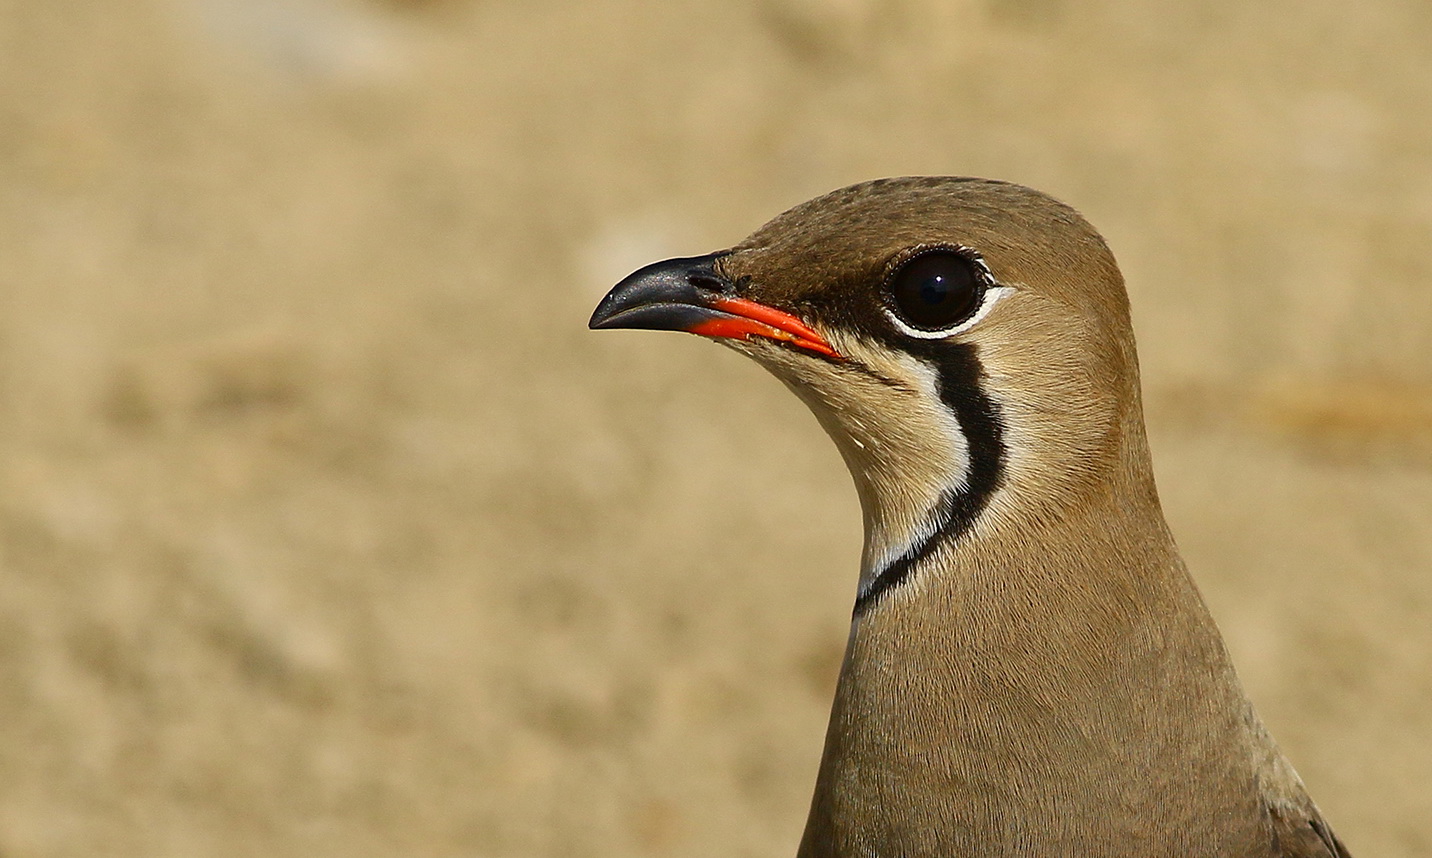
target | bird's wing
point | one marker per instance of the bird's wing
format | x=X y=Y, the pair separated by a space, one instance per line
x=1297 y=825
x=1300 y=832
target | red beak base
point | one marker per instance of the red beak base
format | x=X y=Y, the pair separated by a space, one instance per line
x=691 y=295
x=751 y=319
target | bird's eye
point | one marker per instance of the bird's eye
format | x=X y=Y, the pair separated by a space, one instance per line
x=935 y=290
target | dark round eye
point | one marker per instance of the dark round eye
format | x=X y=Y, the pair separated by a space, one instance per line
x=935 y=290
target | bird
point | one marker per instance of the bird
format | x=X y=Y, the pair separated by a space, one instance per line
x=1030 y=670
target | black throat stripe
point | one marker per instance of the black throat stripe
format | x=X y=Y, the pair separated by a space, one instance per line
x=960 y=372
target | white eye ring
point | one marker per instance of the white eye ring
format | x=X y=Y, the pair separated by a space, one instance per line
x=992 y=295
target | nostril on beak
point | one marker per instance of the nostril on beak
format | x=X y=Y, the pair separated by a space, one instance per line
x=709 y=282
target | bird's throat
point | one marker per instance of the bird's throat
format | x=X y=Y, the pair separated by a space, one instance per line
x=974 y=439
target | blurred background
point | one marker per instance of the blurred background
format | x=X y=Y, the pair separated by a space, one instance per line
x=326 y=527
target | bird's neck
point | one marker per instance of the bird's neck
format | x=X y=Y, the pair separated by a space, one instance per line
x=1030 y=677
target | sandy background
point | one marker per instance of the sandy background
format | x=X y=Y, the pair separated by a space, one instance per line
x=326 y=528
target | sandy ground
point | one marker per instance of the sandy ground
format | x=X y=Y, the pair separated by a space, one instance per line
x=326 y=528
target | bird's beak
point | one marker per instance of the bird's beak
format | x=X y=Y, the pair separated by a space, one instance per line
x=689 y=294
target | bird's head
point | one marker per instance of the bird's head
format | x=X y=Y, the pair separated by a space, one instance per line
x=966 y=343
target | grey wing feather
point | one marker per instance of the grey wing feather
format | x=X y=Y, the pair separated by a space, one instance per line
x=1302 y=833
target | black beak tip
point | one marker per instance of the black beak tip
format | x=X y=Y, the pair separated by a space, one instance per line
x=667 y=295
x=602 y=316
x=621 y=306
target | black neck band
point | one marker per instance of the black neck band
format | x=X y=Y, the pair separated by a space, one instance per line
x=960 y=372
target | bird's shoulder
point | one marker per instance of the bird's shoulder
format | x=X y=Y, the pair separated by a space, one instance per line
x=1300 y=832
x=1296 y=825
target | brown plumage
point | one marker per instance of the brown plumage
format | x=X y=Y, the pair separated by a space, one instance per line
x=1031 y=670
